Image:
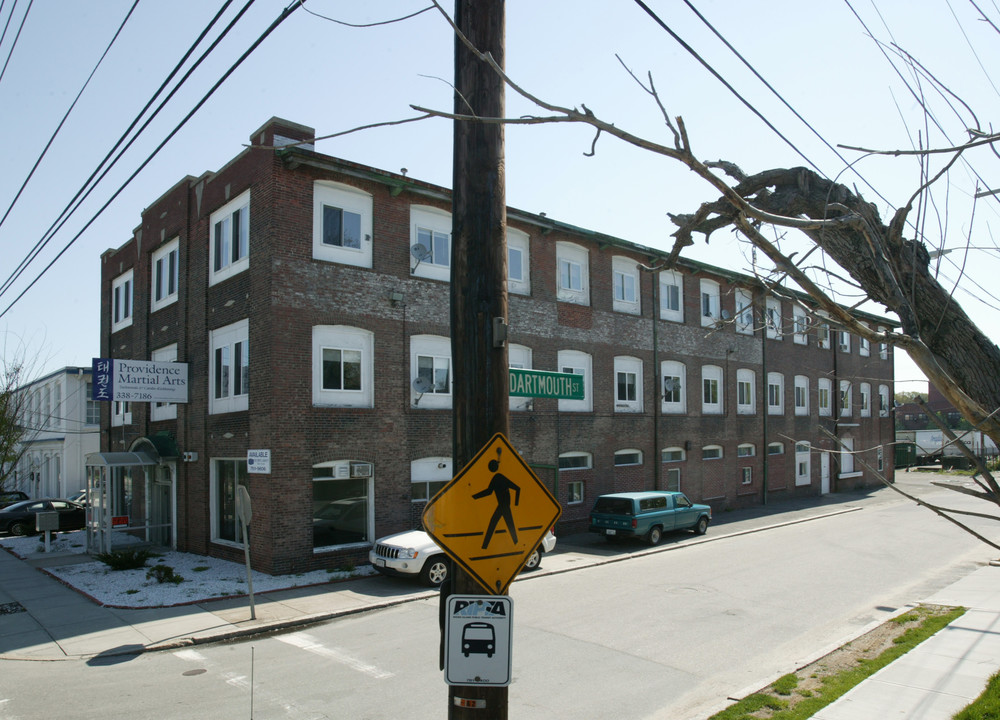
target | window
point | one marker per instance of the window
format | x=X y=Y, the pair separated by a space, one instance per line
x=772 y=318
x=121 y=301
x=775 y=448
x=866 y=399
x=230 y=228
x=746 y=450
x=883 y=347
x=121 y=413
x=883 y=401
x=518 y=265
x=775 y=394
x=711 y=390
x=430 y=242
x=711 y=452
x=165 y=274
x=673 y=454
x=575 y=461
x=342 y=510
x=710 y=303
x=574 y=492
x=864 y=345
x=745 y=401
x=824 y=388
x=671 y=296
x=800 y=325
x=847 y=456
x=744 y=311
x=625 y=280
x=880 y=458
x=823 y=335
x=801 y=395
x=163 y=410
x=845 y=398
x=628 y=457
x=342 y=366
x=93 y=407
x=229 y=371
x=672 y=377
x=803 y=470
x=430 y=372
x=747 y=473
x=427 y=477
x=579 y=363
x=572 y=266
x=673 y=479
x=342 y=224
x=519 y=356
x=844 y=341
x=227 y=475
x=628 y=384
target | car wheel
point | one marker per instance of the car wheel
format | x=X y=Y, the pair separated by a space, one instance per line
x=435 y=571
x=654 y=535
x=702 y=527
x=534 y=560
x=19 y=528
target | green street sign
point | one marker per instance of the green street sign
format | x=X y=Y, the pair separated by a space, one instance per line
x=542 y=383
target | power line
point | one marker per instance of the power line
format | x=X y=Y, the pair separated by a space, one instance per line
x=10 y=53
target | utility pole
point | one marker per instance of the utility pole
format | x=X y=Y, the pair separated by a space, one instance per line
x=478 y=281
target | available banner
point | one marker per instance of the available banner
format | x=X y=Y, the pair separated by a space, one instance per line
x=140 y=381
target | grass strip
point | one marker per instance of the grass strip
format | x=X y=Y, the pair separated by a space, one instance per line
x=837 y=684
x=986 y=706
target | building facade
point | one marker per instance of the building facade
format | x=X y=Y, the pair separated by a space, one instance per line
x=61 y=425
x=310 y=298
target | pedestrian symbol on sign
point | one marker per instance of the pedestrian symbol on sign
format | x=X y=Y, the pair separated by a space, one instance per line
x=500 y=486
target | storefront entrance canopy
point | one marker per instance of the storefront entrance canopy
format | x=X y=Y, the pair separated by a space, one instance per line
x=119 y=459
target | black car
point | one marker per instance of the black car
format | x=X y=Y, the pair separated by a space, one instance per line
x=19 y=518
x=9 y=497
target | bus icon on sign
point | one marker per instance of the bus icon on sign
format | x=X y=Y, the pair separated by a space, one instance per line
x=480 y=638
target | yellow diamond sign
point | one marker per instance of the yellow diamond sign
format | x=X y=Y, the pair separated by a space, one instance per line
x=492 y=515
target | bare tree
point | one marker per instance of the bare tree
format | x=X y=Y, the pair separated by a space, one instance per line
x=16 y=426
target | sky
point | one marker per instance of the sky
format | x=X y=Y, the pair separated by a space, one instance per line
x=819 y=57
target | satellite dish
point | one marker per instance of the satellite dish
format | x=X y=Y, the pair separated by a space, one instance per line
x=420 y=251
x=421 y=385
x=725 y=315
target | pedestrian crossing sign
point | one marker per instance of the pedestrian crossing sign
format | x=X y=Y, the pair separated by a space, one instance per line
x=492 y=515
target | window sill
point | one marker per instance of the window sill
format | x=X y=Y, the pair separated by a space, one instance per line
x=848 y=475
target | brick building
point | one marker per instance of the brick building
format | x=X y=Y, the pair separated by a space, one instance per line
x=309 y=297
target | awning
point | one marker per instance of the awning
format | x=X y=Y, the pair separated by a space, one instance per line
x=119 y=459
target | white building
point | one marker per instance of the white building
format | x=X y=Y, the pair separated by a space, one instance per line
x=62 y=426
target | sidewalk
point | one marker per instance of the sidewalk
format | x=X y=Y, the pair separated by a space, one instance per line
x=41 y=619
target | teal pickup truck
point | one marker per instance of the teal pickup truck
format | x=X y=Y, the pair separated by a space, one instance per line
x=647 y=515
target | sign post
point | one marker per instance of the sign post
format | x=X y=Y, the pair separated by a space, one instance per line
x=244 y=512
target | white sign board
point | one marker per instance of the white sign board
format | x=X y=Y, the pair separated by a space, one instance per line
x=259 y=461
x=139 y=381
x=478 y=631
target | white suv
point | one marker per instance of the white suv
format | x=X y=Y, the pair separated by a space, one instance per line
x=413 y=553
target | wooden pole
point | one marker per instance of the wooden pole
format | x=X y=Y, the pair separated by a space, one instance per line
x=478 y=281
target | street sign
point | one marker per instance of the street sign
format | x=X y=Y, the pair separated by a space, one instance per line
x=492 y=515
x=478 y=631
x=542 y=383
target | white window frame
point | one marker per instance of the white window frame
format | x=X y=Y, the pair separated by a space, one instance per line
x=712 y=374
x=824 y=397
x=803 y=464
x=121 y=413
x=519 y=356
x=574 y=492
x=746 y=392
x=580 y=363
x=439 y=348
x=709 y=302
x=122 y=300
x=864 y=345
x=425 y=219
x=588 y=465
x=773 y=322
x=845 y=398
x=883 y=347
x=570 y=255
x=775 y=393
x=823 y=331
x=712 y=452
x=800 y=326
x=865 y=399
x=346 y=339
x=745 y=450
x=347 y=199
x=883 y=401
x=630 y=367
x=433 y=473
x=628 y=452
x=744 y=311
x=519 y=244
x=673 y=451
x=164 y=271
x=163 y=410
x=746 y=475
x=625 y=285
x=671 y=279
x=776 y=448
x=237 y=397
x=801 y=399
x=673 y=369
x=237 y=249
x=337 y=468
x=844 y=341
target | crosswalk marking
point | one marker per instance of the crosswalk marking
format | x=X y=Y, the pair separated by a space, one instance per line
x=307 y=642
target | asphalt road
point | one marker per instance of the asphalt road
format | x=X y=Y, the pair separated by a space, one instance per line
x=664 y=635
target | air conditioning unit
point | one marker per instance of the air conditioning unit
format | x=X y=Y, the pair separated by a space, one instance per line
x=361 y=470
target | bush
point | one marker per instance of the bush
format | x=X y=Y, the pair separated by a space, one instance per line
x=128 y=559
x=164 y=574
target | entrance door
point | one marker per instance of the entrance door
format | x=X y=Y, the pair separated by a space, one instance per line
x=824 y=473
x=161 y=516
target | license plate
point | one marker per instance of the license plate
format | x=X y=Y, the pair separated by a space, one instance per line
x=379 y=562
x=610 y=532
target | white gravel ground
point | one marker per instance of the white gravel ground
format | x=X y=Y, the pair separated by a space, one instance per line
x=204 y=577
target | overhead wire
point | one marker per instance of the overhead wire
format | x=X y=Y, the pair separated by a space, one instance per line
x=284 y=15
x=13 y=44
